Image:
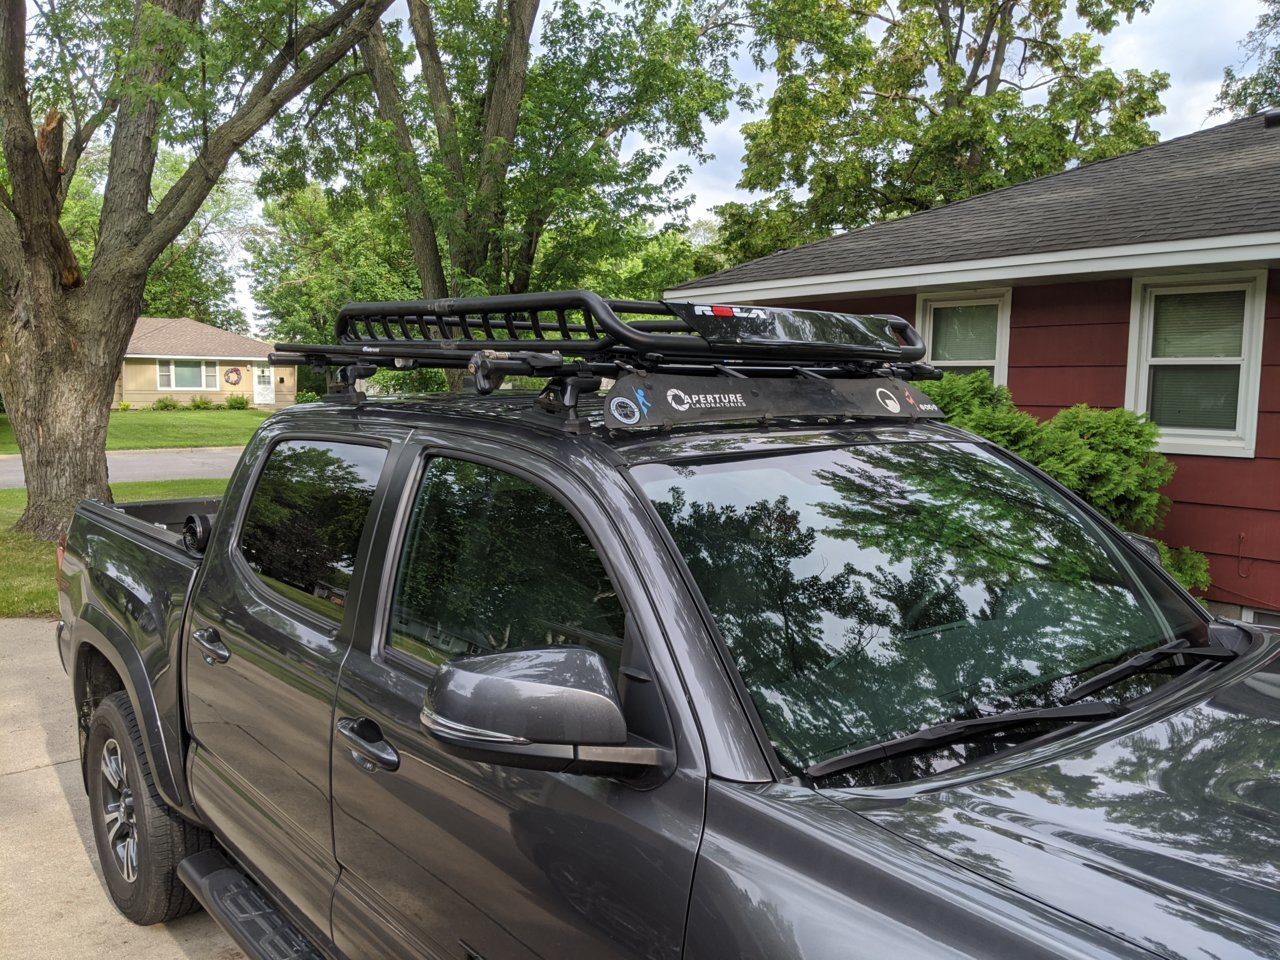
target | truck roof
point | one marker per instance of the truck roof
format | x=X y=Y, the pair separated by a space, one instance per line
x=514 y=412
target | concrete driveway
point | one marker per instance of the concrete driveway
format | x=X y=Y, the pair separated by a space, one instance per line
x=53 y=903
x=126 y=465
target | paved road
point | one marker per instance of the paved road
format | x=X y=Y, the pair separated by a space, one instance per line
x=125 y=465
x=53 y=904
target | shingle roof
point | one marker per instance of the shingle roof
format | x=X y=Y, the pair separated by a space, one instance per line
x=1217 y=182
x=164 y=337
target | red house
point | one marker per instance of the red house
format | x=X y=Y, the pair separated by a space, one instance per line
x=1149 y=281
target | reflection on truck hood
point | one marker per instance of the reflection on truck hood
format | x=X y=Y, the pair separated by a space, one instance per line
x=1168 y=836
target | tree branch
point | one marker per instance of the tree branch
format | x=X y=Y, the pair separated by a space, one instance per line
x=32 y=202
x=323 y=100
x=267 y=97
x=437 y=83
x=422 y=228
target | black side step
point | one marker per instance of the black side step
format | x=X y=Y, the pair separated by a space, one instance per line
x=242 y=909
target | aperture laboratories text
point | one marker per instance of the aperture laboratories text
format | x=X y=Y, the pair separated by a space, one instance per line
x=682 y=401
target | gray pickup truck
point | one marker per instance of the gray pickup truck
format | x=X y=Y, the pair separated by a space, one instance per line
x=750 y=656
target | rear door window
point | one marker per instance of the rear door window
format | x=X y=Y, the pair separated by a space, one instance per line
x=303 y=525
x=492 y=562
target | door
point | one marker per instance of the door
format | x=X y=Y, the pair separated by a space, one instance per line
x=446 y=858
x=264 y=385
x=262 y=661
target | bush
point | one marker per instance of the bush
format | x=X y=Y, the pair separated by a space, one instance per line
x=408 y=381
x=237 y=401
x=1108 y=457
x=166 y=403
x=125 y=405
x=201 y=403
x=306 y=396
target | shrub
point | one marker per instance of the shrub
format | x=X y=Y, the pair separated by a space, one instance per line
x=1108 y=457
x=201 y=403
x=166 y=403
x=306 y=396
x=237 y=401
x=125 y=405
x=408 y=381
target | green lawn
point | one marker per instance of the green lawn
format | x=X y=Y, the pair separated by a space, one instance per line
x=156 y=429
x=27 y=587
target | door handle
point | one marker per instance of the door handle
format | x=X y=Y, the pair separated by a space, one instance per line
x=369 y=751
x=215 y=651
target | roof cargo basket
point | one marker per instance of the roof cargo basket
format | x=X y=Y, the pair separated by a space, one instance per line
x=575 y=337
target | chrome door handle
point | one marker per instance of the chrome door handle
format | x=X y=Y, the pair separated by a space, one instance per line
x=215 y=651
x=369 y=751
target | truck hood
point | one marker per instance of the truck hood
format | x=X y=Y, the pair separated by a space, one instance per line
x=1166 y=835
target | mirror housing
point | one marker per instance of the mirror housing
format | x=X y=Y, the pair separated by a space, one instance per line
x=552 y=708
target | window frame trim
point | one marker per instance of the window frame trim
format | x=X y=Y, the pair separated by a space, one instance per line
x=1001 y=297
x=173 y=380
x=1242 y=442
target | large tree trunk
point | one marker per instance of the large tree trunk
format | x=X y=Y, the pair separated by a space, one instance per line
x=58 y=379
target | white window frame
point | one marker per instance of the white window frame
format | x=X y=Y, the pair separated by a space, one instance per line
x=1210 y=443
x=1001 y=297
x=1250 y=614
x=205 y=366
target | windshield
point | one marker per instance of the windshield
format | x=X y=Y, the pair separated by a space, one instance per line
x=868 y=591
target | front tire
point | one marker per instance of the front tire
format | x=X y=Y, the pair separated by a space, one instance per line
x=140 y=840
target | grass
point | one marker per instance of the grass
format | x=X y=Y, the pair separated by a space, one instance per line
x=160 y=429
x=27 y=587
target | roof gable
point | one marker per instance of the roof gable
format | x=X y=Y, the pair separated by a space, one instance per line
x=182 y=337
x=1213 y=183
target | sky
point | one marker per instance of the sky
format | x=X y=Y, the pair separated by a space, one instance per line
x=1177 y=37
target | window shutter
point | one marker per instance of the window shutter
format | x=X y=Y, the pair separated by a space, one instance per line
x=965 y=332
x=1198 y=324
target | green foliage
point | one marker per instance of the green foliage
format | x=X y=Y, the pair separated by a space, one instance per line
x=201 y=403
x=237 y=401
x=884 y=109
x=311 y=255
x=611 y=91
x=1189 y=567
x=1108 y=457
x=306 y=396
x=408 y=382
x=166 y=403
x=124 y=405
x=1244 y=93
x=194 y=277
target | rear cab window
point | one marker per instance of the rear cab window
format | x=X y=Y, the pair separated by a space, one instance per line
x=302 y=528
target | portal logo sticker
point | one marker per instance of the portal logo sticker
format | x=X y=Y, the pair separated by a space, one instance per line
x=681 y=401
x=624 y=411
x=888 y=400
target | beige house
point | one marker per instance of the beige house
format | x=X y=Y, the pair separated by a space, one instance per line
x=184 y=359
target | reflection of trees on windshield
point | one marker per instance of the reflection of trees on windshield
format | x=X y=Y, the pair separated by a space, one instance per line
x=303 y=525
x=870 y=591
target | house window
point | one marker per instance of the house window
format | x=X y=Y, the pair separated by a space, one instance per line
x=186 y=375
x=967 y=332
x=1194 y=351
x=1266 y=618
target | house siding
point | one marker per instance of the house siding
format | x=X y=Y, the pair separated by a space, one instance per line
x=1068 y=344
x=137 y=384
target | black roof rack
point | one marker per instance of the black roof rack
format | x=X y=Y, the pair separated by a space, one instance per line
x=574 y=338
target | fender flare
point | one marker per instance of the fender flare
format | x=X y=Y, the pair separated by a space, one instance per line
x=164 y=754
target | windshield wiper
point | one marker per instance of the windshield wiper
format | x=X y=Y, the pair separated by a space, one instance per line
x=961 y=731
x=1144 y=661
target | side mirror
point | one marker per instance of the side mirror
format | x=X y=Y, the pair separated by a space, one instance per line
x=552 y=708
x=1146 y=546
